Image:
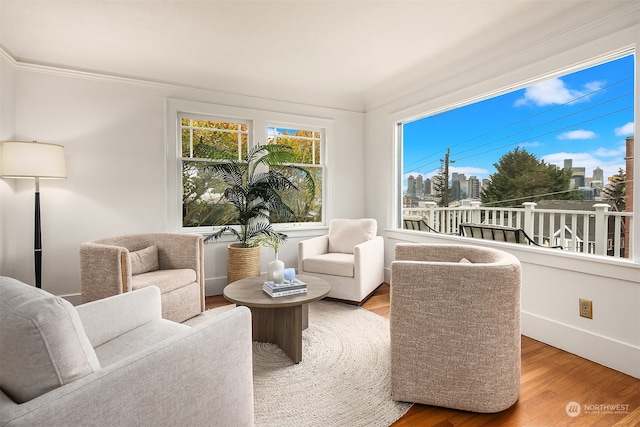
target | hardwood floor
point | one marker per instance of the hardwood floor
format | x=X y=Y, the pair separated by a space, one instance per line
x=551 y=379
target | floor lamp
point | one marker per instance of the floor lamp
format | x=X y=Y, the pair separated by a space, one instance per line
x=33 y=160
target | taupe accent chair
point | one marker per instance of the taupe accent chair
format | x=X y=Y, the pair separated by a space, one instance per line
x=350 y=258
x=174 y=262
x=116 y=362
x=455 y=326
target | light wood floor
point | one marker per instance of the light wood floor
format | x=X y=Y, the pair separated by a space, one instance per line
x=551 y=379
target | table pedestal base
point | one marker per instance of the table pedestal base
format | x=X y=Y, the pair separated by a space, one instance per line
x=281 y=326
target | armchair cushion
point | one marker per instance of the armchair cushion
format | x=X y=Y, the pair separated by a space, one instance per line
x=166 y=280
x=336 y=264
x=345 y=234
x=144 y=260
x=44 y=345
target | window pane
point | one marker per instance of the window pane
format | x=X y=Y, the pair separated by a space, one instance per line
x=201 y=198
x=306 y=144
x=305 y=207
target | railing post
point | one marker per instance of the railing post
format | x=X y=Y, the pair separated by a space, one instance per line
x=476 y=218
x=529 y=218
x=601 y=228
x=430 y=207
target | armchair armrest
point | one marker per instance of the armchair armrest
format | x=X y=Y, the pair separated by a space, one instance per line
x=200 y=377
x=103 y=264
x=311 y=247
x=369 y=259
x=111 y=317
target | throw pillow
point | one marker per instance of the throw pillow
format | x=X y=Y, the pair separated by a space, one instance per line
x=144 y=260
x=43 y=343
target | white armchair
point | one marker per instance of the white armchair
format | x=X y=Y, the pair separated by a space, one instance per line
x=350 y=258
x=116 y=362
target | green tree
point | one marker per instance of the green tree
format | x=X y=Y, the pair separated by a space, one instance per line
x=615 y=192
x=521 y=177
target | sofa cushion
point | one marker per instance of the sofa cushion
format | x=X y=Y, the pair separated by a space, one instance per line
x=43 y=344
x=334 y=264
x=345 y=234
x=136 y=340
x=166 y=280
x=144 y=260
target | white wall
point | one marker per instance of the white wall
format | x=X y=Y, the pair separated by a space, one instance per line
x=552 y=282
x=113 y=131
x=7 y=130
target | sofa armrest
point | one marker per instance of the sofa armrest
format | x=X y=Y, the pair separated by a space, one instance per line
x=102 y=271
x=311 y=247
x=200 y=377
x=108 y=318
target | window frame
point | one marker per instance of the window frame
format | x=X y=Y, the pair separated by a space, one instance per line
x=260 y=120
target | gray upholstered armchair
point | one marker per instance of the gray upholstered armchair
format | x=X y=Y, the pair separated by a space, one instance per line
x=174 y=262
x=455 y=326
x=350 y=258
x=116 y=362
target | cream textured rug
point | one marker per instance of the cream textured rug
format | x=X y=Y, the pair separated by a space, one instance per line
x=342 y=380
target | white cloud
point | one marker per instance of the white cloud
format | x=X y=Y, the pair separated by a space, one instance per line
x=470 y=171
x=577 y=134
x=554 y=91
x=530 y=144
x=625 y=130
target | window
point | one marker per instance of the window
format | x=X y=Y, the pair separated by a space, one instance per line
x=204 y=140
x=210 y=132
x=307 y=146
x=560 y=142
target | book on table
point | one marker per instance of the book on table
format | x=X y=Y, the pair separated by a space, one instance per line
x=289 y=287
x=281 y=292
x=287 y=284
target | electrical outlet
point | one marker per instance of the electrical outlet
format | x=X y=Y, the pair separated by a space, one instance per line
x=586 y=308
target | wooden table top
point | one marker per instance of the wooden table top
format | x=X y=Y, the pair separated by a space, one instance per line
x=248 y=292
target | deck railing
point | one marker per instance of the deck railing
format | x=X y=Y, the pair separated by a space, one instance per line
x=600 y=231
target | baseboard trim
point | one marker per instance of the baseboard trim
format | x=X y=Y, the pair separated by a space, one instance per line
x=606 y=351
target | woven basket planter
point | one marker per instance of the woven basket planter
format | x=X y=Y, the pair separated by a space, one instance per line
x=242 y=262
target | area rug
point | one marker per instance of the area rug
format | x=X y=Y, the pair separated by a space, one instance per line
x=342 y=380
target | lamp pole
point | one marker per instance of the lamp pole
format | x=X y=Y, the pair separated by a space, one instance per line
x=37 y=238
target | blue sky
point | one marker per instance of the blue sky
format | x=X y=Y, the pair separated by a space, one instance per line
x=584 y=116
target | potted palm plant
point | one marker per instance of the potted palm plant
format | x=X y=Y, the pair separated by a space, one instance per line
x=253 y=188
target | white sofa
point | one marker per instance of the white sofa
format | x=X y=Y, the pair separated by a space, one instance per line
x=116 y=362
x=350 y=258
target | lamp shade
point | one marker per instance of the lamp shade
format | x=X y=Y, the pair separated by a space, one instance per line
x=32 y=160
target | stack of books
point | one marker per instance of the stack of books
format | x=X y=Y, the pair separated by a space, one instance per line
x=289 y=287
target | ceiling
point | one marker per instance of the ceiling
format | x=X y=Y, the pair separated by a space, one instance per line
x=341 y=54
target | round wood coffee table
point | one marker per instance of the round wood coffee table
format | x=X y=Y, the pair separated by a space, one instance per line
x=277 y=320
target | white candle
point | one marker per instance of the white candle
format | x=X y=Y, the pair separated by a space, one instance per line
x=278 y=277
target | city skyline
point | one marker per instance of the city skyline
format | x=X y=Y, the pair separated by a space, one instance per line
x=584 y=116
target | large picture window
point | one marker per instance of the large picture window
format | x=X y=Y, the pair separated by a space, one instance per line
x=559 y=145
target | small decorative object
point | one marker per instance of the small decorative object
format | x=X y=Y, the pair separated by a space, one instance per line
x=273 y=241
x=289 y=274
x=278 y=276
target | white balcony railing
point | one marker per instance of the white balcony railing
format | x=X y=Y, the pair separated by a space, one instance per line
x=599 y=232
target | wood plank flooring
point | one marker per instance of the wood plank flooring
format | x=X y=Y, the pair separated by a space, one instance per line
x=551 y=379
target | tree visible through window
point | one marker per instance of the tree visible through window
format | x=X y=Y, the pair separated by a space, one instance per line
x=307 y=146
x=205 y=141
x=217 y=139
